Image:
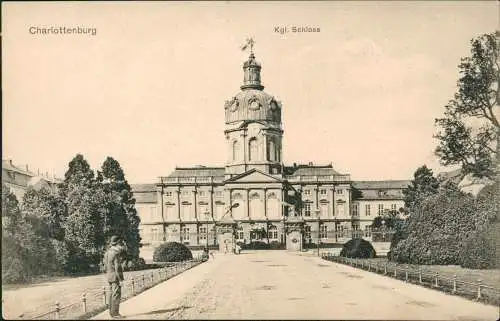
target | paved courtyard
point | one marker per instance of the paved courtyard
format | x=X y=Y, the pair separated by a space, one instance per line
x=282 y=285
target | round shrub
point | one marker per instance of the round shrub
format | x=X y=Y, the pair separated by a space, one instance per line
x=172 y=252
x=358 y=248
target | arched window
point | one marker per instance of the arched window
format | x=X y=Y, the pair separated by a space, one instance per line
x=252 y=149
x=273 y=206
x=237 y=212
x=256 y=209
x=271 y=149
x=236 y=148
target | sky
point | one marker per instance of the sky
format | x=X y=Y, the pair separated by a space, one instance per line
x=148 y=89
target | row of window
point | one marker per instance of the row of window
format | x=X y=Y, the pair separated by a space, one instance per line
x=323 y=209
x=273 y=150
x=323 y=231
x=380 y=211
x=200 y=193
x=219 y=193
x=323 y=191
x=272 y=234
x=186 y=236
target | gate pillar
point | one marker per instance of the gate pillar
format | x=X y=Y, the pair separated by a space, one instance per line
x=225 y=235
x=294 y=227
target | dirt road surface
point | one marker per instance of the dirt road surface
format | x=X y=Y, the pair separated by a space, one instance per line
x=282 y=285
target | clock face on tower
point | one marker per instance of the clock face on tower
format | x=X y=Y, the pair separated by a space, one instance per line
x=253 y=103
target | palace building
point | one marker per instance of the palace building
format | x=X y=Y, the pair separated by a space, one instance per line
x=255 y=190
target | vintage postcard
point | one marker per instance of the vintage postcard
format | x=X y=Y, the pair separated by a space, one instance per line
x=250 y=160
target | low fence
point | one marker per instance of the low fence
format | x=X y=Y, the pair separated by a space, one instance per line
x=95 y=301
x=408 y=273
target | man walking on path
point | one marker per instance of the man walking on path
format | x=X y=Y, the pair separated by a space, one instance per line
x=114 y=271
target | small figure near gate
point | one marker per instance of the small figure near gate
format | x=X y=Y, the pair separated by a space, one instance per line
x=113 y=265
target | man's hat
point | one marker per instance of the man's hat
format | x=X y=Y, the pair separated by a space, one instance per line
x=114 y=240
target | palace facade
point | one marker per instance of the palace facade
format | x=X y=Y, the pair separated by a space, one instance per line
x=255 y=189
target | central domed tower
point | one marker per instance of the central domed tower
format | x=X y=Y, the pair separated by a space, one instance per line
x=253 y=126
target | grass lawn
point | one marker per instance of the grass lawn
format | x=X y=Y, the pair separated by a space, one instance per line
x=466 y=279
x=20 y=299
x=488 y=277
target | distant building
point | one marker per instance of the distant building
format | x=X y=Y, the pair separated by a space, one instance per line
x=466 y=183
x=184 y=205
x=18 y=179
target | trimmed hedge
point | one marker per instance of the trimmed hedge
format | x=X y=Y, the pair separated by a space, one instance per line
x=452 y=228
x=172 y=252
x=259 y=245
x=481 y=250
x=358 y=248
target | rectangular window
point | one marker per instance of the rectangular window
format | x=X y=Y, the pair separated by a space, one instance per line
x=272 y=233
x=307 y=209
x=393 y=207
x=185 y=234
x=185 y=193
x=380 y=209
x=307 y=192
x=355 y=210
x=368 y=209
x=169 y=194
x=323 y=232
x=368 y=231
x=153 y=234
x=218 y=193
x=340 y=191
x=201 y=193
x=203 y=233
x=322 y=191
x=240 y=235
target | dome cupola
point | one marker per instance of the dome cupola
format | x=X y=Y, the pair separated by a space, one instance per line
x=252 y=103
x=251 y=70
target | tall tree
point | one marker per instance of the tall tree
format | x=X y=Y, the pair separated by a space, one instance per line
x=78 y=173
x=85 y=203
x=469 y=132
x=423 y=185
x=122 y=215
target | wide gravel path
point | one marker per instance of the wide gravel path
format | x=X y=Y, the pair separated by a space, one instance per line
x=282 y=285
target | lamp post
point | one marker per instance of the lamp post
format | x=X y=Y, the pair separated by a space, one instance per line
x=317 y=216
x=234 y=205
x=383 y=230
